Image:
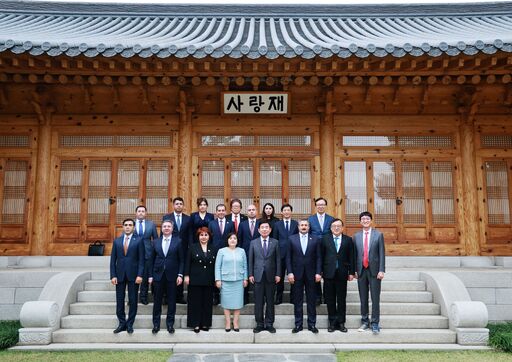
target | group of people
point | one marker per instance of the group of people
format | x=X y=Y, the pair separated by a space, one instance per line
x=220 y=257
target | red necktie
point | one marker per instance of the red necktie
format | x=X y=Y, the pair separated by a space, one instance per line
x=236 y=223
x=125 y=244
x=365 y=251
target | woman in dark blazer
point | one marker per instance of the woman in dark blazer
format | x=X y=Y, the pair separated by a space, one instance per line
x=268 y=215
x=200 y=279
x=200 y=218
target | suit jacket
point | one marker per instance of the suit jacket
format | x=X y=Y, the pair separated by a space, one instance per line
x=300 y=264
x=244 y=234
x=184 y=231
x=130 y=266
x=196 y=222
x=219 y=239
x=345 y=257
x=231 y=266
x=150 y=235
x=172 y=264
x=376 y=252
x=314 y=225
x=259 y=263
x=282 y=235
x=200 y=267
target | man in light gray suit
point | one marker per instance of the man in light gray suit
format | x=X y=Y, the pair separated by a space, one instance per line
x=370 y=269
x=264 y=273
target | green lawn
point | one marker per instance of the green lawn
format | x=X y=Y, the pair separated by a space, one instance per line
x=88 y=356
x=424 y=356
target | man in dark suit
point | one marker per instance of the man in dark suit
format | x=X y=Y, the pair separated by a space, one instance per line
x=370 y=269
x=236 y=216
x=304 y=265
x=248 y=231
x=219 y=228
x=146 y=230
x=181 y=228
x=126 y=269
x=319 y=225
x=338 y=268
x=166 y=274
x=283 y=229
x=264 y=268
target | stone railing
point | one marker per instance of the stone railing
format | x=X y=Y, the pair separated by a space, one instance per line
x=40 y=318
x=466 y=317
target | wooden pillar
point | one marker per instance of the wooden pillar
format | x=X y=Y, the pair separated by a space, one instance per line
x=40 y=230
x=185 y=150
x=327 y=167
x=471 y=233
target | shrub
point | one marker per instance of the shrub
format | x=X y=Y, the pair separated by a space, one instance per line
x=8 y=333
x=500 y=336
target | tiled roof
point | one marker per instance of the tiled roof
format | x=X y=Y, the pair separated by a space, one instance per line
x=254 y=31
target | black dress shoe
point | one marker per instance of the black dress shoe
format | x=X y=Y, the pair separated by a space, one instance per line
x=181 y=301
x=279 y=300
x=313 y=329
x=155 y=330
x=271 y=329
x=119 y=329
x=129 y=330
x=170 y=330
x=342 y=328
x=331 y=328
x=318 y=302
x=144 y=301
x=206 y=329
x=197 y=330
x=258 y=329
x=236 y=329
x=229 y=330
x=296 y=329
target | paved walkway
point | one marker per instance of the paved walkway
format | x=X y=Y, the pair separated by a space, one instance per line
x=252 y=357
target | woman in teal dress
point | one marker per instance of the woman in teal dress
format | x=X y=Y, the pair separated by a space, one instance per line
x=231 y=278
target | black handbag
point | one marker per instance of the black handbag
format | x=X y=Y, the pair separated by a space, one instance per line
x=96 y=249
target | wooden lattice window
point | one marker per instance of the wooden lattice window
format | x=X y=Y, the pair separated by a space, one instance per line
x=413 y=190
x=212 y=181
x=98 y=192
x=402 y=142
x=157 y=188
x=355 y=190
x=497 y=190
x=258 y=141
x=496 y=141
x=443 y=193
x=14 y=195
x=242 y=181
x=70 y=191
x=115 y=141
x=14 y=141
x=384 y=181
x=299 y=187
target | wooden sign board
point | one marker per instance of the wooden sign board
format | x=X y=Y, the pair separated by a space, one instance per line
x=255 y=103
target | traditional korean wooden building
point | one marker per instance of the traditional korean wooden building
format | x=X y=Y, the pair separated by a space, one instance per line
x=401 y=110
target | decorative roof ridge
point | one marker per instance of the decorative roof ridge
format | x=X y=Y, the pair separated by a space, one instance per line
x=248 y=10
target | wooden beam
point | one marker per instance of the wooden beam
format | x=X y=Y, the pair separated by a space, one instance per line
x=327 y=159
x=185 y=142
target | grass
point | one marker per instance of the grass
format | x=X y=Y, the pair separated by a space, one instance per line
x=500 y=336
x=86 y=356
x=423 y=356
x=8 y=333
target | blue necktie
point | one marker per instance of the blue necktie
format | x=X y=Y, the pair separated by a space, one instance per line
x=141 y=231
x=178 y=221
x=287 y=228
x=265 y=247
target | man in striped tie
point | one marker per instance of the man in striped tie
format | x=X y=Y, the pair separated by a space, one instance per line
x=126 y=269
x=370 y=269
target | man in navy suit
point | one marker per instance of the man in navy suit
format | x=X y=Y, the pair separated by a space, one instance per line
x=283 y=229
x=220 y=228
x=304 y=265
x=236 y=216
x=248 y=231
x=166 y=274
x=181 y=228
x=126 y=269
x=146 y=230
x=338 y=255
x=319 y=225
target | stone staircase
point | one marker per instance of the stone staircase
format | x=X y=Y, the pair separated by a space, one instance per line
x=408 y=315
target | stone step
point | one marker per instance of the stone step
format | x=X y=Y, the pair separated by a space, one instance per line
x=247 y=321
x=109 y=308
x=387 y=285
x=394 y=275
x=352 y=296
x=247 y=336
